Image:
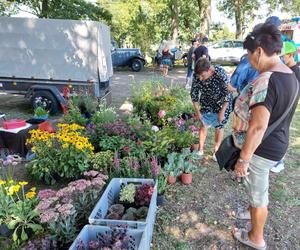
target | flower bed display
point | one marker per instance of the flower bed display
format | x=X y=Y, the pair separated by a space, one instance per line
x=111 y=196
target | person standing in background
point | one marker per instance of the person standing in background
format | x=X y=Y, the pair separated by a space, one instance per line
x=202 y=50
x=190 y=63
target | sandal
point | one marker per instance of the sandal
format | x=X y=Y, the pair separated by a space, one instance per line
x=242 y=236
x=243 y=215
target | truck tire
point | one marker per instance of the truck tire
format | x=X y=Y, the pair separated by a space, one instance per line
x=45 y=99
x=137 y=65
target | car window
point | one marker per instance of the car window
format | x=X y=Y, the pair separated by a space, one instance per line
x=228 y=44
x=238 y=44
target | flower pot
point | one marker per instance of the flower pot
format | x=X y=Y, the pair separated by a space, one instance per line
x=195 y=147
x=160 y=199
x=186 y=178
x=171 y=179
x=42 y=117
x=5 y=231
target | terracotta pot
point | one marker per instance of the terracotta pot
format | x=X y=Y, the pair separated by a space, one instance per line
x=195 y=147
x=186 y=178
x=171 y=179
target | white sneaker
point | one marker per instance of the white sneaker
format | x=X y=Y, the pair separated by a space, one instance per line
x=278 y=167
x=214 y=157
x=200 y=154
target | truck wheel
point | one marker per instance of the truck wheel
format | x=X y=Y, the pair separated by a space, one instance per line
x=46 y=100
x=137 y=65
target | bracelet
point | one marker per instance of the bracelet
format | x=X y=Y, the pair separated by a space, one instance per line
x=240 y=160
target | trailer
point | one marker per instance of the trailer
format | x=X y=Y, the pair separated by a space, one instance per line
x=47 y=59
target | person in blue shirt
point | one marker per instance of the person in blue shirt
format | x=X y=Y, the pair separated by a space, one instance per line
x=243 y=74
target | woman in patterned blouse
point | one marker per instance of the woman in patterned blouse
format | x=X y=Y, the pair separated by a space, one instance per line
x=209 y=89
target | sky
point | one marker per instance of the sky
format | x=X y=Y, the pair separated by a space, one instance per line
x=217 y=16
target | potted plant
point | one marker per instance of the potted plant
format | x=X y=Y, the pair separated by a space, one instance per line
x=186 y=160
x=171 y=168
x=41 y=113
x=161 y=187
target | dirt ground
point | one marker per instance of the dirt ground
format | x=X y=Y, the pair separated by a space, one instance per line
x=199 y=216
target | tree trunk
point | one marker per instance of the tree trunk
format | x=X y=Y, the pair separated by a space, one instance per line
x=204 y=11
x=45 y=8
x=175 y=19
x=238 y=21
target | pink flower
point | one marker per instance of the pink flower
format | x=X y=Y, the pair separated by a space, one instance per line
x=43 y=205
x=155 y=167
x=161 y=113
x=49 y=216
x=127 y=149
x=98 y=181
x=91 y=173
x=66 y=209
x=46 y=193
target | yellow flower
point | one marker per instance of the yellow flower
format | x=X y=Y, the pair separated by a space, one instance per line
x=33 y=149
x=13 y=189
x=33 y=189
x=30 y=195
x=23 y=183
x=65 y=145
x=2 y=182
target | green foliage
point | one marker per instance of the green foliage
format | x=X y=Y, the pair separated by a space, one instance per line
x=7 y=8
x=127 y=193
x=74 y=115
x=103 y=115
x=66 y=9
x=162 y=182
x=171 y=167
x=221 y=32
x=40 y=111
x=103 y=161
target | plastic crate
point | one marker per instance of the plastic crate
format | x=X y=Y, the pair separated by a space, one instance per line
x=111 y=195
x=92 y=232
x=14 y=123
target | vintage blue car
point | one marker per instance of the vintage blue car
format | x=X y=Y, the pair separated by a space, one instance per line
x=124 y=57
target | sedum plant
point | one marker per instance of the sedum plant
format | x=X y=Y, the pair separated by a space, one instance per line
x=127 y=193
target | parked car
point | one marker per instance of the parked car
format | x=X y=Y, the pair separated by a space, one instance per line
x=227 y=51
x=127 y=57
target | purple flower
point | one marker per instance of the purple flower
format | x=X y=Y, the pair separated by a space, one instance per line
x=94 y=244
x=66 y=209
x=91 y=173
x=49 y=216
x=98 y=181
x=155 y=167
x=46 y=193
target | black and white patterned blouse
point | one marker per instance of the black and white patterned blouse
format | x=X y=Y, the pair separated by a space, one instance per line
x=212 y=92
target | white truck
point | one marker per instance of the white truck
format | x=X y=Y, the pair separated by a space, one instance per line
x=45 y=59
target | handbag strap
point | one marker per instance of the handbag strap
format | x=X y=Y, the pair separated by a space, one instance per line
x=271 y=128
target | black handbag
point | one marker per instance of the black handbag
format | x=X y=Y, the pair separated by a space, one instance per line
x=228 y=154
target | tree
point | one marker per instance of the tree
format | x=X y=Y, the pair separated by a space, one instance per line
x=6 y=8
x=65 y=9
x=220 y=32
x=242 y=10
x=290 y=6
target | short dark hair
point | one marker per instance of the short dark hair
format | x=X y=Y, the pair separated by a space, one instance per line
x=264 y=35
x=201 y=65
x=204 y=40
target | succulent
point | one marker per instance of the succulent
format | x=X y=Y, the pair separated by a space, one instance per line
x=127 y=193
x=113 y=216
x=143 y=194
x=142 y=213
x=117 y=208
x=129 y=216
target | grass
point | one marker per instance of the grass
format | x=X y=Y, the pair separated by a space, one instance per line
x=199 y=216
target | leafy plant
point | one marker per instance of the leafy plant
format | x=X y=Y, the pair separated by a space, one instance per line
x=116 y=239
x=171 y=167
x=143 y=194
x=103 y=161
x=74 y=115
x=127 y=193
x=40 y=111
x=7 y=166
x=64 y=211
x=104 y=114
x=65 y=153
x=18 y=209
x=161 y=182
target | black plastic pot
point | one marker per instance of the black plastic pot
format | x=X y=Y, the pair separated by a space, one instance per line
x=5 y=231
x=160 y=199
